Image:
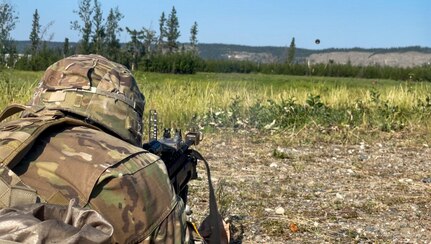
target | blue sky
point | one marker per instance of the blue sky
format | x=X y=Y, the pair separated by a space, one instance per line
x=337 y=23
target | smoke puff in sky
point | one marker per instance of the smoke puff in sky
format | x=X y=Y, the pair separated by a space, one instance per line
x=337 y=23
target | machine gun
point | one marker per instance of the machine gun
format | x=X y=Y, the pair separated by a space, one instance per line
x=179 y=158
x=181 y=161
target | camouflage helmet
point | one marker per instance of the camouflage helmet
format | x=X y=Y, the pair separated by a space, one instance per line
x=97 y=90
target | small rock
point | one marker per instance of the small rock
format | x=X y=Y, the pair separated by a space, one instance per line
x=279 y=211
x=426 y=180
x=339 y=196
x=362 y=146
x=268 y=210
x=363 y=157
x=370 y=229
x=273 y=165
x=258 y=238
x=405 y=180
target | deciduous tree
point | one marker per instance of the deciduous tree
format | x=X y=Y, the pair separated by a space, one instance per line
x=135 y=47
x=8 y=20
x=84 y=12
x=149 y=40
x=112 y=27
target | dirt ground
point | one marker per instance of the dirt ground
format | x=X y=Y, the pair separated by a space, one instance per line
x=362 y=192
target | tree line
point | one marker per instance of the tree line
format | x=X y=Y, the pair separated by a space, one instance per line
x=98 y=34
x=159 y=50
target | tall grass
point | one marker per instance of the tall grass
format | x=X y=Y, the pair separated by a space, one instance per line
x=179 y=98
x=267 y=102
x=17 y=86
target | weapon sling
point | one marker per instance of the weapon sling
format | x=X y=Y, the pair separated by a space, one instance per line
x=214 y=215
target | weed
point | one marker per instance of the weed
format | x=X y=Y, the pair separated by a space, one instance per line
x=329 y=108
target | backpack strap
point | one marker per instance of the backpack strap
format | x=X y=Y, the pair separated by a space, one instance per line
x=17 y=108
x=16 y=139
x=13 y=191
x=18 y=136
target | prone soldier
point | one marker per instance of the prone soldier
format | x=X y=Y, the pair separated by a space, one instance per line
x=80 y=138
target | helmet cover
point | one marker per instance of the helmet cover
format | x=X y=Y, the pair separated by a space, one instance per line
x=98 y=90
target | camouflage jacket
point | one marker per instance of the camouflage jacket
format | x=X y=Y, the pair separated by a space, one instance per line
x=127 y=185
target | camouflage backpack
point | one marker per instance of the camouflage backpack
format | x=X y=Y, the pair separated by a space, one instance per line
x=81 y=90
x=86 y=90
x=23 y=218
x=16 y=138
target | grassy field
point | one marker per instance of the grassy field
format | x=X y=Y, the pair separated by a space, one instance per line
x=275 y=185
x=267 y=102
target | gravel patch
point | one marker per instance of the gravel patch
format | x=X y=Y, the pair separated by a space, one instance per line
x=316 y=193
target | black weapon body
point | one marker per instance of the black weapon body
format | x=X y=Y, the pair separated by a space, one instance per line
x=181 y=161
x=176 y=153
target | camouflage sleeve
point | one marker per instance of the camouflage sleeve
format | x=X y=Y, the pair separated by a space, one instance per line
x=173 y=229
x=137 y=198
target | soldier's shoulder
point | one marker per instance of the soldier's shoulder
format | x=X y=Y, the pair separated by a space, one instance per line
x=93 y=136
x=97 y=143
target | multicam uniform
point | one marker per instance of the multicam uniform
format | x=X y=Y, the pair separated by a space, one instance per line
x=124 y=183
x=127 y=185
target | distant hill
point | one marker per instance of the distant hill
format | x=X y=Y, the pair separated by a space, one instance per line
x=402 y=56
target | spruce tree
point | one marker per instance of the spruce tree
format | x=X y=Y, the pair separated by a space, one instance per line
x=99 y=29
x=66 y=48
x=291 y=52
x=162 y=33
x=173 y=32
x=35 y=33
x=193 y=36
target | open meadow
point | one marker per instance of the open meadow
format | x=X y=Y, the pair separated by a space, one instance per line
x=271 y=103
x=298 y=159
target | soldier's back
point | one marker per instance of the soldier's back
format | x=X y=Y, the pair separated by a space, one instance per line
x=126 y=184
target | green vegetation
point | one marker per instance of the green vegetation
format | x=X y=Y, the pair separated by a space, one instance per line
x=419 y=73
x=159 y=51
x=272 y=103
x=342 y=108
